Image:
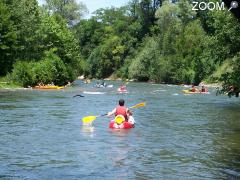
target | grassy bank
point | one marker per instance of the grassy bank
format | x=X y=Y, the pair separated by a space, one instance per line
x=6 y=84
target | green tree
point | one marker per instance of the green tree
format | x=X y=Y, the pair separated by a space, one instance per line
x=68 y=9
x=26 y=18
x=55 y=34
x=8 y=39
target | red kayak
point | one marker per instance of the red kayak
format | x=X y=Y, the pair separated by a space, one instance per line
x=123 y=125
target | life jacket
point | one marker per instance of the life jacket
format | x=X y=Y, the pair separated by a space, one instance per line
x=123 y=88
x=121 y=110
x=193 y=90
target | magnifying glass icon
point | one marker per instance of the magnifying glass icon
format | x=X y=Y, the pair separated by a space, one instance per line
x=233 y=5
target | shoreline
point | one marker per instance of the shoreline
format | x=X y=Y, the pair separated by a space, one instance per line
x=11 y=86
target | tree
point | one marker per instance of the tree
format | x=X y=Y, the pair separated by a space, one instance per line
x=8 y=39
x=26 y=18
x=68 y=9
x=55 y=34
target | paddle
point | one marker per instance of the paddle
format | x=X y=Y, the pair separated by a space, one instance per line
x=138 y=105
x=78 y=95
x=89 y=119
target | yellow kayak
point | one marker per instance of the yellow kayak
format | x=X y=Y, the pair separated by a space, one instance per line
x=48 y=87
x=186 y=91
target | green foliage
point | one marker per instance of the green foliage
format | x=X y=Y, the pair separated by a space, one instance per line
x=70 y=10
x=26 y=17
x=50 y=69
x=7 y=39
x=89 y=34
x=232 y=76
x=23 y=73
x=106 y=59
x=55 y=34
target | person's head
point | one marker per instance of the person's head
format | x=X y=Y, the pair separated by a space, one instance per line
x=121 y=102
x=193 y=86
x=202 y=87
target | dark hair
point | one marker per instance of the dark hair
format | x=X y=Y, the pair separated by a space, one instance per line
x=121 y=102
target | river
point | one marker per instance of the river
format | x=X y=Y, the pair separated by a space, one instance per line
x=176 y=136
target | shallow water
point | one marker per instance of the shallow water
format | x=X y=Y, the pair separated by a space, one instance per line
x=177 y=136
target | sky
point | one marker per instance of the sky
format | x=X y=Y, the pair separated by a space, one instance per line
x=93 y=5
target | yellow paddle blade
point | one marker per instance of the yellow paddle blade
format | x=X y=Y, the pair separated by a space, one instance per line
x=88 y=119
x=139 y=105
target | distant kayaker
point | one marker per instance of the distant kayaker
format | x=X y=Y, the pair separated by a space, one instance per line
x=204 y=89
x=193 y=89
x=103 y=84
x=233 y=90
x=123 y=88
x=121 y=110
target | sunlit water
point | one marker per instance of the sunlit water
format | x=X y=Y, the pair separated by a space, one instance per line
x=177 y=136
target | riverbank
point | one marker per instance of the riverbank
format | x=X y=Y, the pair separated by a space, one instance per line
x=6 y=84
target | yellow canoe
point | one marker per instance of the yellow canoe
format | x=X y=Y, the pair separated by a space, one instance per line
x=186 y=91
x=48 y=87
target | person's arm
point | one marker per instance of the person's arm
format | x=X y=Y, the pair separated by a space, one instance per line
x=112 y=112
x=129 y=113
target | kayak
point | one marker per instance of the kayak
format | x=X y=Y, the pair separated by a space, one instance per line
x=110 y=86
x=124 y=125
x=48 y=87
x=99 y=86
x=186 y=91
x=122 y=90
x=91 y=92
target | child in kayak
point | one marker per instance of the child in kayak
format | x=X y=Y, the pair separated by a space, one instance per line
x=121 y=110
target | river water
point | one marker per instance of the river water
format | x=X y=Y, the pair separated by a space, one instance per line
x=177 y=136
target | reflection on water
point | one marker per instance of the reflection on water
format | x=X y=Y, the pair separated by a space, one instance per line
x=88 y=129
x=177 y=136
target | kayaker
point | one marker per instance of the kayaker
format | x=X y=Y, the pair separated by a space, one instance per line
x=121 y=110
x=193 y=89
x=233 y=90
x=103 y=84
x=204 y=89
x=122 y=88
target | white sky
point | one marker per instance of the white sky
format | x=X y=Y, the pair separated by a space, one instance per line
x=93 y=5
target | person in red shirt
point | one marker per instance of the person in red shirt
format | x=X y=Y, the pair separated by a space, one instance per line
x=123 y=88
x=121 y=110
x=204 y=89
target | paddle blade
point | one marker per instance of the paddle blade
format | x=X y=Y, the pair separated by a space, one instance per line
x=88 y=119
x=139 y=105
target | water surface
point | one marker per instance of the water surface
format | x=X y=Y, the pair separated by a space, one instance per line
x=177 y=136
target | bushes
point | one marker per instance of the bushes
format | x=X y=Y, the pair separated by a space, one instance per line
x=50 y=69
x=231 y=77
x=23 y=73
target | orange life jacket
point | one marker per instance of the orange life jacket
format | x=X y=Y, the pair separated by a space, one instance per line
x=121 y=110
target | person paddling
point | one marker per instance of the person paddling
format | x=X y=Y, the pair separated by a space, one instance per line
x=121 y=110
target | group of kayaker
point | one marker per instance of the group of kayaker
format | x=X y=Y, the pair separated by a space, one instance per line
x=194 y=89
